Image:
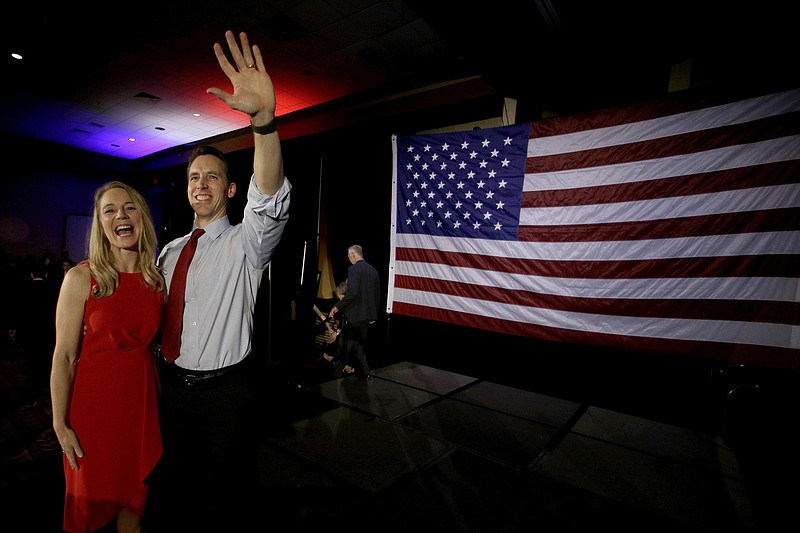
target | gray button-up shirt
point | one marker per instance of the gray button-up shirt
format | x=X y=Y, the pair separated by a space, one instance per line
x=223 y=280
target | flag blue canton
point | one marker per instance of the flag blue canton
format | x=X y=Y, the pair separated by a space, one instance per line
x=464 y=184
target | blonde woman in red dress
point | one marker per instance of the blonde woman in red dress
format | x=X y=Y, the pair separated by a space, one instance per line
x=103 y=383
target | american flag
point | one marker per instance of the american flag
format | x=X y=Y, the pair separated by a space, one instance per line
x=671 y=226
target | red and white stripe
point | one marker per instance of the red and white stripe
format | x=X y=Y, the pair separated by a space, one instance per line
x=671 y=226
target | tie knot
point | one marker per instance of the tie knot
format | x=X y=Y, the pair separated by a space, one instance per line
x=196 y=234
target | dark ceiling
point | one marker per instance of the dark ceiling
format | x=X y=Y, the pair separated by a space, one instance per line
x=90 y=67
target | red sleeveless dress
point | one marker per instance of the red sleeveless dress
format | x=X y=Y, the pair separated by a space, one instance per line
x=114 y=409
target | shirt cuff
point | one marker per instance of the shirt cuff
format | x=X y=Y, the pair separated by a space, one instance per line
x=265 y=205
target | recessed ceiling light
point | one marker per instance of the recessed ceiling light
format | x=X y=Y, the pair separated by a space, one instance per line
x=131 y=139
x=16 y=55
x=196 y=114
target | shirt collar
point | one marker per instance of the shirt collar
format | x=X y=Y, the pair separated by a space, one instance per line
x=216 y=228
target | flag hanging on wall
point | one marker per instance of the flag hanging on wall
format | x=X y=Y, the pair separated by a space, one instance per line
x=671 y=226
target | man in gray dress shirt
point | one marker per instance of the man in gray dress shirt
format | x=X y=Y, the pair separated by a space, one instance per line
x=208 y=472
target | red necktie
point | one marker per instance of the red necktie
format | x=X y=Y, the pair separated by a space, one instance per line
x=173 y=319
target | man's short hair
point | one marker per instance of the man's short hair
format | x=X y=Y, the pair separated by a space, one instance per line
x=208 y=150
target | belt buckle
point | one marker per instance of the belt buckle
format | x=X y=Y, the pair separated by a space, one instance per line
x=189 y=380
x=196 y=379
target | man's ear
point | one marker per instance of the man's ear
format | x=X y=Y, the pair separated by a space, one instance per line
x=231 y=189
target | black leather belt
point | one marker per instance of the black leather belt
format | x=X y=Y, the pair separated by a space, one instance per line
x=196 y=377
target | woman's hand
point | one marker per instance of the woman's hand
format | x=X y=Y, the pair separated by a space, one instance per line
x=70 y=446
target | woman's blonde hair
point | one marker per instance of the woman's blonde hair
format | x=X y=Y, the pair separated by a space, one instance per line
x=101 y=261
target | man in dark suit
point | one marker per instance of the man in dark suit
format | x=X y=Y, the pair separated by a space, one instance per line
x=360 y=305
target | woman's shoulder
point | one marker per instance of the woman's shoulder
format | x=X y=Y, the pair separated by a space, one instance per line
x=77 y=282
x=81 y=268
x=79 y=274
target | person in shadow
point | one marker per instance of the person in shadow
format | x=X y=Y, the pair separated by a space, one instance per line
x=36 y=314
x=335 y=348
x=360 y=304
